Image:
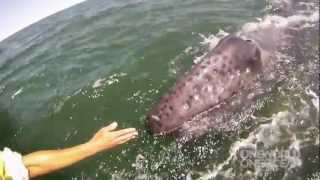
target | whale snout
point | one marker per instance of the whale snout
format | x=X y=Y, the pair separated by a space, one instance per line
x=155 y=125
x=161 y=122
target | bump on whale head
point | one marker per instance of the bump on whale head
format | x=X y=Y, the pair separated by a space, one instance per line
x=218 y=77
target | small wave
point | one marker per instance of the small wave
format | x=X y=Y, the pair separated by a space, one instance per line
x=17 y=93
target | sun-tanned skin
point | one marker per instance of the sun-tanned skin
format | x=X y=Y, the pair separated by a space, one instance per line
x=44 y=162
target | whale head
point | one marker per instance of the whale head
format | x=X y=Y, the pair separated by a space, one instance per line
x=221 y=74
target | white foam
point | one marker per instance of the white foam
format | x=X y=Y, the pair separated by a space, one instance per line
x=188 y=50
x=315 y=98
x=281 y=22
x=259 y=135
x=17 y=93
x=98 y=83
x=114 y=78
x=199 y=58
x=212 y=40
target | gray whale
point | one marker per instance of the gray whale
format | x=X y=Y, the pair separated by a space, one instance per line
x=230 y=76
x=232 y=66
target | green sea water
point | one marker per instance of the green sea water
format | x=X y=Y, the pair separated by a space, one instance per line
x=68 y=75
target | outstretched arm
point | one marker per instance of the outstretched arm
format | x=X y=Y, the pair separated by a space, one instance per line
x=43 y=162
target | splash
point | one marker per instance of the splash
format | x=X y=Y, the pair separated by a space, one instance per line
x=17 y=93
x=101 y=82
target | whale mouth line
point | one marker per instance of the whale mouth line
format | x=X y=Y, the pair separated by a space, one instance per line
x=192 y=118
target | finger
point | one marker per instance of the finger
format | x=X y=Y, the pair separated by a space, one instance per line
x=125 y=131
x=133 y=133
x=110 y=127
x=127 y=137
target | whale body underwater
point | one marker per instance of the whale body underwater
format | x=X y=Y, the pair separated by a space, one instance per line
x=230 y=76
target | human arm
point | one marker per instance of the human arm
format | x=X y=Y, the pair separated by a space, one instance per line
x=43 y=162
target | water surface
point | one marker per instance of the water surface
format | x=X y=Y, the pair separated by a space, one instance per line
x=66 y=76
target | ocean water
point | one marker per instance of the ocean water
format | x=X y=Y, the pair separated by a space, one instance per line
x=64 y=77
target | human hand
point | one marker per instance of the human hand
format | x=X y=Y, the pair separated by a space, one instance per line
x=108 y=137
